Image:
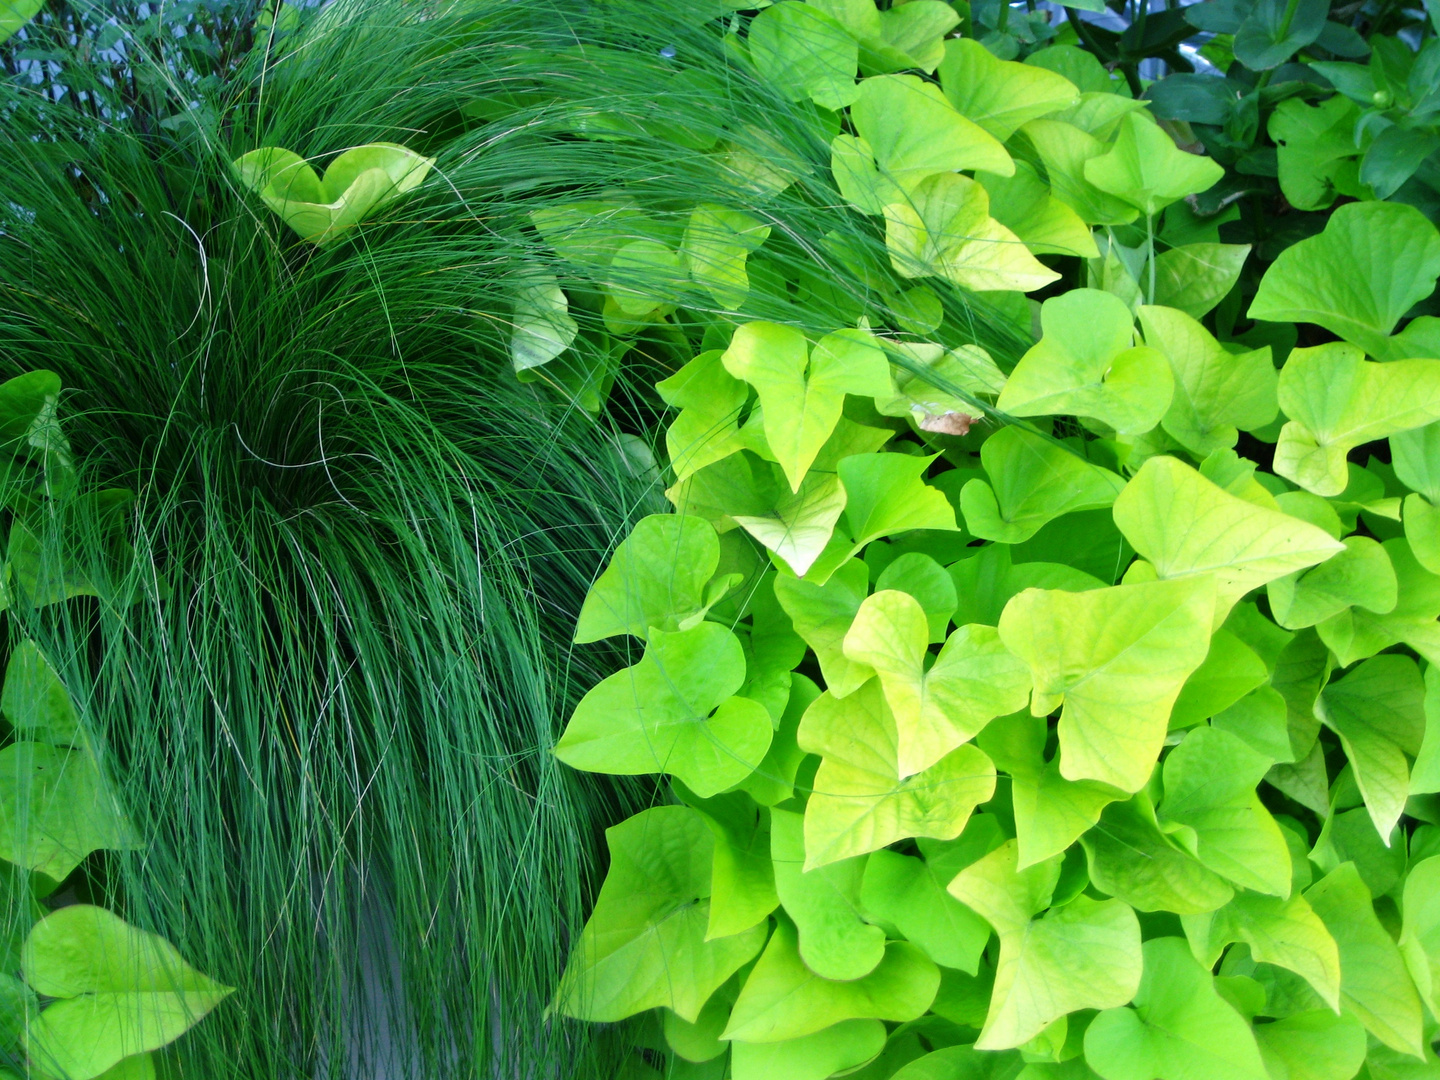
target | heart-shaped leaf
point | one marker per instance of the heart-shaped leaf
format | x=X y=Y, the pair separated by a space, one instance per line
x=645 y=944
x=675 y=711
x=974 y=679
x=1087 y=364
x=357 y=183
x=123 y=992
x=1116 y=659
x=860 y=802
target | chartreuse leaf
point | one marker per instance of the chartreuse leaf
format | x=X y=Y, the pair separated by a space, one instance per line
x=834 y=940
x=124 y=992
x=964 y=1062
x=1416 y=457
x=968 y=367
x=56 y=808
x=1356 y=633
x=1195 y=277
x=1132 y=859
x=700 y=1041
x=799 y=526
x=1336 y=399
x=1179 y=1029
x=1373 y=262
x=35 y=701
x=885 y=494
x=843 y=1046
x=802 y=392
x=860 y=802
x=1087 y=364
x=1065 y=149
x=1024 y=205
x=1217 y=393
x=1312 y=1045
x=1374 y=984
x=1085 y=955
x=804 y=53
x=1187 y=526
x=709 y=399
x=1360 y=576
x=783 y=999
x=543 y=328
x=742 y=876
x=16 y=13
x=911 y=36
x=716 y=244
x=1420 y=933
x=974 y=679
x=1212 y=808
x=1000 y=95
x=774 y=781
x=943 y=228
x=656 y=579
x=1285 y=932
x=985 y=582
x=1378 y=710
x=928 y=582
x=822 y=614
x=1115 y=659
x=645 y=944
x=673 y=712
x=1316 y=155
x=1050 y=812
x=1031 y=482
x=357 y=182
x=908 y=894
x=1230 y=671
x=905 y=131
x=1147 y=170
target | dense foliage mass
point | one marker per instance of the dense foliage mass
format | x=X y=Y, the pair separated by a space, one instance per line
x=1026 y=480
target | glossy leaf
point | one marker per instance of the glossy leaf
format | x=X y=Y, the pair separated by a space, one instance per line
x=1087 y=363
x=1378 y=710
x=55 y=808
x=673 y=712
x=783 y=999
x=1030 y=482
x=357 y=183
x=843 y=1046
x=656 y=579
x=802 y=391
x=1210 y=781
x=822 y=615
x=944 y=228
x=1115 y=659
x=1147 y=170
x=909 y=894
x=1217 y=393
x=1371 y=264
x=1179 y=1029
x=1000 y=95
x=905 y=132
x=644 y=945
x=861 y=803
x=974 y=679
x=123 y=992
x=1085 y=955
x=1336 y=399
x=824 y=901
x=1374 y=984
x=1187 y=526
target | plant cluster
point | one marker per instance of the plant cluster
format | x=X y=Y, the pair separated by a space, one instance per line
x=1030 y=573
x=1015 y=722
